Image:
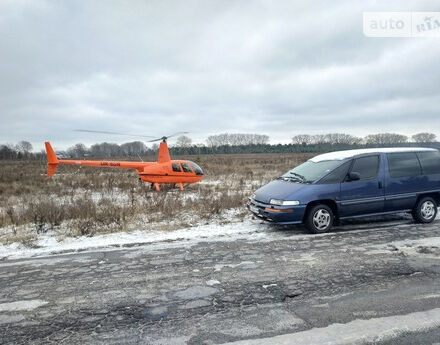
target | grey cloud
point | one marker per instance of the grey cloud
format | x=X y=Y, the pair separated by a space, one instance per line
x=156 y=67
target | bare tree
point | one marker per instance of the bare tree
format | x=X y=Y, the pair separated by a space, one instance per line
x=155 y=147
x=341 y=138
x=329 y=138
x=24 y=146
x=77 y=150
x=385 y=139
x=105 y=150
x=183 y=141
x=260 y=139
x=302 y=139
x=134 y=148
x=212 y=141
x=7 y=151
x=424 y=137
x=237 y=139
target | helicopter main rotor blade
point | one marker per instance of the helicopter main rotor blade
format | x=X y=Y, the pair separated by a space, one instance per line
x=168 y=136
x=113 y=133
x=178 y=133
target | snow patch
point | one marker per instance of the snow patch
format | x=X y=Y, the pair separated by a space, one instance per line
x=248 y=264
x=45 y=261
x=358 y=331
x=48 y=244
x=22 y=305
x=434 y=295
x=212 y=282
x=426 y=247
x=426 y=242
x=5 y=319
x=195 y=292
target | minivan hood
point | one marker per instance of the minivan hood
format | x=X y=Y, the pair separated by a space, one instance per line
x=277 y=189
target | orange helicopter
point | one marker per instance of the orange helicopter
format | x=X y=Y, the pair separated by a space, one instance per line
x=164 y=171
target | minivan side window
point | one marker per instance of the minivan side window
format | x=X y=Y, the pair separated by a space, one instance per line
x=337 y=175
x=430 y=161
x=403 y=164
x=367 y=167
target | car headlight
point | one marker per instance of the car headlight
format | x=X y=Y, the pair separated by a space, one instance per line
x=284 y=202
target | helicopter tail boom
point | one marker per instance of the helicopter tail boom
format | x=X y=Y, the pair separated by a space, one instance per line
x=53 y=162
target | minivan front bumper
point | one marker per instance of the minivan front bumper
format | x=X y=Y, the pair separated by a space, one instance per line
x=277 y=214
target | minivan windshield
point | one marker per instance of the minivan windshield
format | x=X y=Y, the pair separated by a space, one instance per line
x=310 y=171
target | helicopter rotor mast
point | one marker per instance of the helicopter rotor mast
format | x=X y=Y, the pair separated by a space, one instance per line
x=165 y=138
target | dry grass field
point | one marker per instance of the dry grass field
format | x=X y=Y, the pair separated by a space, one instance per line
x=88 y=201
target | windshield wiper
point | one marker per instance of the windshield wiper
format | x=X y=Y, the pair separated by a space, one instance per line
x=290 y=178
x=298 y=175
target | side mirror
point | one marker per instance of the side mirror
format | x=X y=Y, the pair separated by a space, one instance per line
x=354 y=176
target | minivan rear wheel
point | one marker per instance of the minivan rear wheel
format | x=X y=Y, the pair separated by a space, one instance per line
x=319 y=219
x=425 y=210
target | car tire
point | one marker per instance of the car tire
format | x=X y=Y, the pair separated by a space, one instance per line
x=425 y=210
x=319 y=219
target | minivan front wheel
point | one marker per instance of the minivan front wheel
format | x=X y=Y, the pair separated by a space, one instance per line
x=319 y=219
x=425 y=210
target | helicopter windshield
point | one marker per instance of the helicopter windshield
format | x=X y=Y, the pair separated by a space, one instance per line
x=198 y=170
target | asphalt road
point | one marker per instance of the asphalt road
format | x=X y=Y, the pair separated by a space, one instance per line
x=366 y=282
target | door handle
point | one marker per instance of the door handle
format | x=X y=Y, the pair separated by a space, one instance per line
x=379 y=184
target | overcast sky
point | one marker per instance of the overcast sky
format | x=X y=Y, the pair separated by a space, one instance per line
x=155 y=67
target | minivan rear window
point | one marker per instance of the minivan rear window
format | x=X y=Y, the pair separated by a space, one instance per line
x=430 y=161
x=403 y=164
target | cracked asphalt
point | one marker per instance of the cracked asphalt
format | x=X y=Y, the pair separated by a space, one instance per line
x=224 y=290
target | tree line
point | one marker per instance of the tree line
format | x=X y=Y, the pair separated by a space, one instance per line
x=237 y=139
x=371 y=139
x=227 y=143
x=22 y=149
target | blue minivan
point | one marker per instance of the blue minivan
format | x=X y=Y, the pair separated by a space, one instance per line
x=353 y=183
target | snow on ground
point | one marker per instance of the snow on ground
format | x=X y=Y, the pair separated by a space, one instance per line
x=210 y=182
x=423 y=242
x=359 y=331
x=426 y=247
x=22 y=305
x=48 y=244
x=251 y=230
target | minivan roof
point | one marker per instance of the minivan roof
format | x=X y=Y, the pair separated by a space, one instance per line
x=340 y=155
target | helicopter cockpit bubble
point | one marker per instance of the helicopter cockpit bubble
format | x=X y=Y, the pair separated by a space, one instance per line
x=197 y=169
